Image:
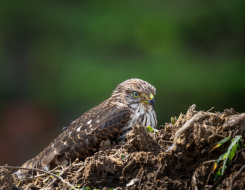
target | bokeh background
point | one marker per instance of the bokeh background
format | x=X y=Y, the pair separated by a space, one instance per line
x=60 y=58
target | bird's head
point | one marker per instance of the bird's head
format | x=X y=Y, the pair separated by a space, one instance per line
x=135 y=91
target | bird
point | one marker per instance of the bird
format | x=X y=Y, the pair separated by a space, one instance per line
x=132 y=102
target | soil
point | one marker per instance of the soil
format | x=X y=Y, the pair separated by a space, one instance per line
x=178 y=156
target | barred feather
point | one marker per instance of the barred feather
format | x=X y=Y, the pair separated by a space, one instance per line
x=112 y=119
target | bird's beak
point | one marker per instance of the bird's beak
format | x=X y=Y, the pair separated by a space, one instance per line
x=150 y=100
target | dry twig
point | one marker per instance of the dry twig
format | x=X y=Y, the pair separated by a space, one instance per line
x=190 y=123
x=209 y=174
x=34 y=169
x=41 y=175
x=61 y=174
x=236 y=176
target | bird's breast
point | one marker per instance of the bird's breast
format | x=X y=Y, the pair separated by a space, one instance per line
x=142 y=116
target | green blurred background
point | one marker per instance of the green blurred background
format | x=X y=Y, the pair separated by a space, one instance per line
x=58 y=59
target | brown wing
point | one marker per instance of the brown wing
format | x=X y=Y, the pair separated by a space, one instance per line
x=83 y=136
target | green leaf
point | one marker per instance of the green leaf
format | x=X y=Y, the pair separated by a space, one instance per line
x=234 y=141
x=86 y=188
x=239 y=144
x=232 y=153
x=122 y=156
x=149 y=129
x=74 y=187
x=173 y=119
x=222 y=157
x=78 y=186
x=217 y=175
x=221 y=142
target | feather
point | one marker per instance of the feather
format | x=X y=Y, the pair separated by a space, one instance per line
x=113 y=118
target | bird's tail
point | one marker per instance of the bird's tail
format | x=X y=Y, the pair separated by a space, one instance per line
x=29 y=165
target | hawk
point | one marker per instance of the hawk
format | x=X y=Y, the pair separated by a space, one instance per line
x=131 y=103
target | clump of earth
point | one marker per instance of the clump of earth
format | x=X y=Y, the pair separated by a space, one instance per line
x=179 y=155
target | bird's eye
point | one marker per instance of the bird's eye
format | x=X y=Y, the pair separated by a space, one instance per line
x=135 y=94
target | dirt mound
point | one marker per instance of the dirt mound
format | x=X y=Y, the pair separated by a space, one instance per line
x=178 y=156
x=6 y=180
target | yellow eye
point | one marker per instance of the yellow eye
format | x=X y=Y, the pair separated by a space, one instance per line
x=135 y=94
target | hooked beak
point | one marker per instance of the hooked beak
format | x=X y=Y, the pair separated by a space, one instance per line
x=150 y=100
